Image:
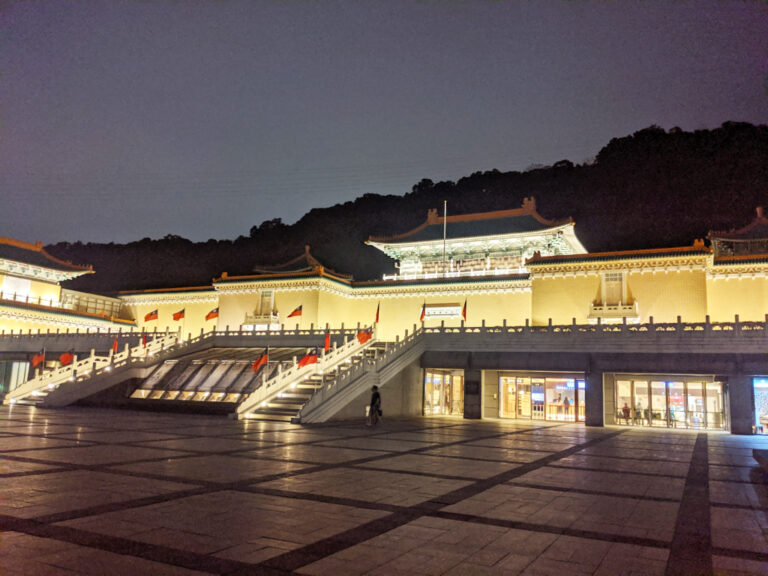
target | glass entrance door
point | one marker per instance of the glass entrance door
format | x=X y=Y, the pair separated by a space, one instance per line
x=508 y=394
x=659 y=410
x=676 y=403
x=695 y=412
x=523 y=398
x=443 y=392
x=538 y=399
x=679 y=403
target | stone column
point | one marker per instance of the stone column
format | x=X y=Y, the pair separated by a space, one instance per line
x=741 y=402
x=472 y=393
x=593 y=398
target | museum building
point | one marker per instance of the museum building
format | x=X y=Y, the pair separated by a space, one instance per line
x=506 y=313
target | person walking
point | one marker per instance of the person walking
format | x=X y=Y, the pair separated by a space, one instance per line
x=374 y=410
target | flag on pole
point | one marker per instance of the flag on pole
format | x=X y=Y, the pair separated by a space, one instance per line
x=212 y=314
x=327 y=341
x=261 y=361
x=364 y=335
x=66 y=358
x=309 y=358
x=296 y=312
x=151 y=316
x=38 y=358
x=464 y=310
x=378 y=306
x=178 y=315
x=114 y=346
x=423 y=312
x=144 y=340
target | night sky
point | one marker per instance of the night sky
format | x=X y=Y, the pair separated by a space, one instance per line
x=126 y=119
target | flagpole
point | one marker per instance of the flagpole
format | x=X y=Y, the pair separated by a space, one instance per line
x=445 y=227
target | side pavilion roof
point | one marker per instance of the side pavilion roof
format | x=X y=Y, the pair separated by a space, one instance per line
x=27 y=259
x=755 y=230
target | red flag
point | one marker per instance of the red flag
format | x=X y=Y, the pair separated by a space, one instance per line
x=310 y=358
x=114 y=345
x=151 y=316
x=144 y=341
x=464 y=310
x=423 y=312
x=261 y=361
x=377 y=313
x=66 y=358
x=38 y=358
x=296 y=312
x=364 y=335
x=178 y=315
x=212 y=314
x=327 y=342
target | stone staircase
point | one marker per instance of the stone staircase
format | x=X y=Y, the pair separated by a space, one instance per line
x=282 y=397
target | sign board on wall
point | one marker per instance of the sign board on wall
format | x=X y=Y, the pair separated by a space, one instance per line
x=442 y=311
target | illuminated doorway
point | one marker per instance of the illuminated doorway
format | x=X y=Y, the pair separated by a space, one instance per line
x=541 y=397
x=669 y=402
x=444 y=392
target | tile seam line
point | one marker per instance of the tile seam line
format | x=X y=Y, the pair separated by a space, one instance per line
x=296 y=559
x=203 y=487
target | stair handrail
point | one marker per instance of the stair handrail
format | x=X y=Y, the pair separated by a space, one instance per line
x=289 y=378
x=362 y=366
x=92 y=365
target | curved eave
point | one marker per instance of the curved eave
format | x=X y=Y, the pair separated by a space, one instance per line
x=19 y=249
x=433 y=219
x=743 y=234
x=744 y=260
x=443 y=281
x=388 y=247
x=36 y=272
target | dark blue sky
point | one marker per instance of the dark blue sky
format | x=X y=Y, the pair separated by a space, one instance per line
x=126 y=119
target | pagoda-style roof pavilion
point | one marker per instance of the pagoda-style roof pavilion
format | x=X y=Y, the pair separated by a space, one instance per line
x=751 y=239
x=305 y=262
x=485 y=243
x=28 y=260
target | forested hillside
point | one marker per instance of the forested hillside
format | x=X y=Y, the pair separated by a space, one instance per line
x=654 y=188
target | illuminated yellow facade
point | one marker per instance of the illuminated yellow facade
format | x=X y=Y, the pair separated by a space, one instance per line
x=501 y=269
x=663 y=285
x=32 y=298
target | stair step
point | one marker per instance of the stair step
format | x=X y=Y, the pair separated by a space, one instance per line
x=275 y=411
x=270 y=417
x=278 y=403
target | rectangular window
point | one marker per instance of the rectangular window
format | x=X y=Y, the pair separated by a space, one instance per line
x=613 y=288
x=265 y=302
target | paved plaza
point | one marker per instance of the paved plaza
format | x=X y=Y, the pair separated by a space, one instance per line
x=97 y=492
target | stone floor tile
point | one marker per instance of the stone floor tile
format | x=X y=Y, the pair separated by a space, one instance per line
x=726 y=566
x=212 y=468
x=31 y=555
x=102 y=454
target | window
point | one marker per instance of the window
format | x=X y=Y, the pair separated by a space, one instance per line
x=265 y=302
x=613 y=288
